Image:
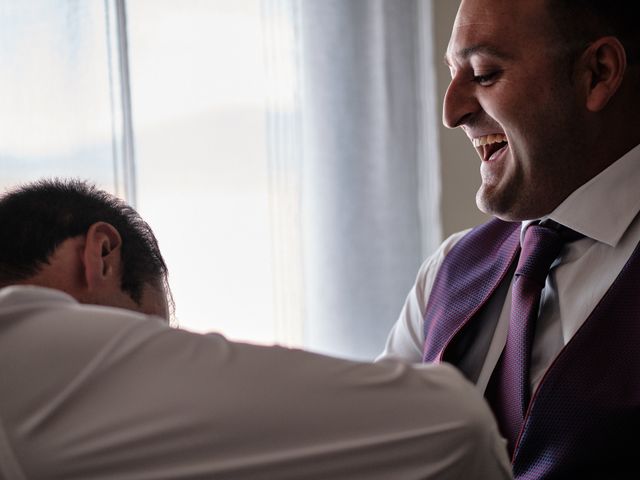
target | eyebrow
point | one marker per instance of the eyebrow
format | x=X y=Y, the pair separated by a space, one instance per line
x=480 y=49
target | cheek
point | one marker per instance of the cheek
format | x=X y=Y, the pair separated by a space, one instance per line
x=504 y=105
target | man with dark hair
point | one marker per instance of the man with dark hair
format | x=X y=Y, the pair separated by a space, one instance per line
x=579 y=22
x=539 y=307
x=95 y=384
x=44 y=215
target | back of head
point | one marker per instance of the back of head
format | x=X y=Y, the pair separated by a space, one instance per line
x=35 y=219
x=579 y=22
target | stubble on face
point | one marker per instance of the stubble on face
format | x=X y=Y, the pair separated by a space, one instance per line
x=543 y=162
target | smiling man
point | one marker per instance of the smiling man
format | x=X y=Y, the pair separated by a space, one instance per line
x=539 y=307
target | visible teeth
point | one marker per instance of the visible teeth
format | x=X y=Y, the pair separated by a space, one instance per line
x=489 y=139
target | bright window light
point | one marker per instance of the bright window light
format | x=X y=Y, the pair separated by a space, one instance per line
x=201 y=97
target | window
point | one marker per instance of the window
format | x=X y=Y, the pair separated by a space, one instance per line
x=277 y=148
x=204 y=110
x=58 y=114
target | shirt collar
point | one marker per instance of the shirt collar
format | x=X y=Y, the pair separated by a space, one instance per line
x=19 y=295
x=604 y=207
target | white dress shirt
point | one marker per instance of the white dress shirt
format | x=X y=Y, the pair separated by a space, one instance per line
x=605 y=210
x=89 y=392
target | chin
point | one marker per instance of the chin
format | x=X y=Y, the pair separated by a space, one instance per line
x=492 y=205
x=505 y=207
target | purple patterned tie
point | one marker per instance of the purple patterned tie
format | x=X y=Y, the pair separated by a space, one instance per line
x=508 y=391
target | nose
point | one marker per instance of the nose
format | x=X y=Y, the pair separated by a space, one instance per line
x=460 y=103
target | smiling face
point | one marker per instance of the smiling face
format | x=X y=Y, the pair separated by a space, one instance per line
x=512 y=94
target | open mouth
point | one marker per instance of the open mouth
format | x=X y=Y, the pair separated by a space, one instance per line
x=490 y=146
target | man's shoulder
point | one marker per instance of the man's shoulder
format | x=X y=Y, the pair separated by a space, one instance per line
x=495 y=226
x=493 y=231
x=486 y=240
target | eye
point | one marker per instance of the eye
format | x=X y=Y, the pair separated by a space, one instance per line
x=486 y=79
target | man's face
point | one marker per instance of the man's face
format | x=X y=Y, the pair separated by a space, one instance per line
x=511 y=92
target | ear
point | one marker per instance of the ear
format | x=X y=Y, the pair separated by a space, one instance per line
x=102 y=256
x=604 y=66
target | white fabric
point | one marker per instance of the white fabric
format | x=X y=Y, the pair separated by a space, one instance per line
x=605 y=210
x=102 y=393
x=364 y=120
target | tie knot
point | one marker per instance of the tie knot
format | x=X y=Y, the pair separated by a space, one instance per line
x=541 y=246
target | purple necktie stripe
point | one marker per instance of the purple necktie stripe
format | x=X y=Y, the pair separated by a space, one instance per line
x=509 y=391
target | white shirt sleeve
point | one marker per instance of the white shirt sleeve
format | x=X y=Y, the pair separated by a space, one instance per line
x=406 y=339
x=97 y=393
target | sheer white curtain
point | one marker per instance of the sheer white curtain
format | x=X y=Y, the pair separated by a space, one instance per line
x=286 y=159
x=60 y=92
x=370 y=166
x=285 y=151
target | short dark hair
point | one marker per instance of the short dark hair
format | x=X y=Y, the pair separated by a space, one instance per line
x=583 y=21
x=36 y=218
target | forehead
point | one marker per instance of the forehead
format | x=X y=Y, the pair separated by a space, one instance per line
x=498 y=28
